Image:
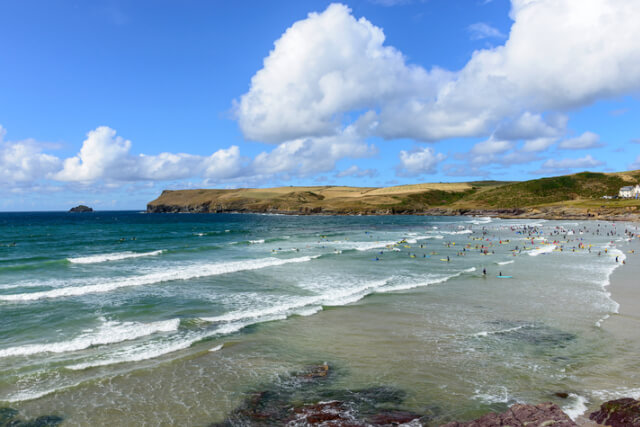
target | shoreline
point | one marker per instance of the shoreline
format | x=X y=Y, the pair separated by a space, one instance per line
x=624 y=325
x=515 y=213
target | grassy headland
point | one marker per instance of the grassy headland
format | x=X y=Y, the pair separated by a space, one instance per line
x=577 y=196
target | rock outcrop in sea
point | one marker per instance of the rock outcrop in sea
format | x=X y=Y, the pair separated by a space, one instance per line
x=307 y=399
x=81 y=208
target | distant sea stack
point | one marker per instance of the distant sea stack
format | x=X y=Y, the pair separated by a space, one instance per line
x=81 y=208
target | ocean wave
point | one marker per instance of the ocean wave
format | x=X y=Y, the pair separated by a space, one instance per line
x=145 y=351
x=117 y=256
x=177 y=273
x=505 y=262
x=433 y=280
x=498 y=332
x=457 y=232
x=359 y=246
x=481 y=220
x=541 y=250
x=306 y=306
x=108 y=333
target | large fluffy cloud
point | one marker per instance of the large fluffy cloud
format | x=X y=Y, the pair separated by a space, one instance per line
x=419 y=162
x=561 y=54
x=106 y=156
x=321 y=68
x=23 y=162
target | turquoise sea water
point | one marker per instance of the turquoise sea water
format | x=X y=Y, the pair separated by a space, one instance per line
x=172 y=318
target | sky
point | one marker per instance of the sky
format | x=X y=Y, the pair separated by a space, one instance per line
x=109 y=102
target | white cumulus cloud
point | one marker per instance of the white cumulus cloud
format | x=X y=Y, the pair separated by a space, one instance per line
x=331 y=66
x=565 y=165
x=586 y=140
x=23 y=162
x=419 y=161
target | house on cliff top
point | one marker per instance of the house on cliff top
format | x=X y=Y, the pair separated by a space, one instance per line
x=629 y=192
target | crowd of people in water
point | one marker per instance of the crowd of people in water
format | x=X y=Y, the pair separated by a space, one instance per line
x=524 y=238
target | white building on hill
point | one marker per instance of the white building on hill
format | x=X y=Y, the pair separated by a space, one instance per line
x=629 y=192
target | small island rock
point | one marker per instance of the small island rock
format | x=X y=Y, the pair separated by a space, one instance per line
x=81 y=208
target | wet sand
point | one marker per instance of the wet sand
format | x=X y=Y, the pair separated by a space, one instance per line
x=625 y=290
x=625 y=325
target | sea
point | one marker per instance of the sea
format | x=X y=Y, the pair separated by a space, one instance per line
x=129 y=318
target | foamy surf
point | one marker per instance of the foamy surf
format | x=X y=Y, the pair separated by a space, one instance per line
x=577 y=407
x=174 y=274
x=117 y=256
x=108 y=333
x=541 y=250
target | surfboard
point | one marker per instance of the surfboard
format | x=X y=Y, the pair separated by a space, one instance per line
x=504 y=277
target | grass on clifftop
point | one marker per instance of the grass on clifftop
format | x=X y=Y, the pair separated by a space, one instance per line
x=584 y=185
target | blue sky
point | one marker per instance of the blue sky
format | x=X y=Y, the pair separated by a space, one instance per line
x=109 y=102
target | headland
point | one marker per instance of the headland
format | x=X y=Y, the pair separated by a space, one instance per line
x=582 y=196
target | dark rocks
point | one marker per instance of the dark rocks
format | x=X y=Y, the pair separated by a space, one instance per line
x=305 y=399
x=319 y=371
x=544 y=414
x=618 y=413
x=9 y=418
x=392 y=418
x=81 y=208
x=562 y=395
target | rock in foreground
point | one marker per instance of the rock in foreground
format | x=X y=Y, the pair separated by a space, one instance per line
x=544 y=414
x=618 y=413
x=81 y=208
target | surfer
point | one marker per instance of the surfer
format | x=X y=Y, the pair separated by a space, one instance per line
x=484 y=271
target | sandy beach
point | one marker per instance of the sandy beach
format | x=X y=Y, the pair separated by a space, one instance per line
x=625 y=325
x=625 y=290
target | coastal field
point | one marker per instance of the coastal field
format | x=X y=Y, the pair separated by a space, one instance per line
x=188 y=319
x=578 y=196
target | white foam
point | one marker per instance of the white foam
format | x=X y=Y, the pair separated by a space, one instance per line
x=479 y=221
x=255 y=242
x=457 y=232
x=541 y=250
x=577 y=408
x=34 y=394
x=108 y=333
x=176 y=273
x=145 y=351
x=621 y=392
x=117 y=256
x=359 y=246
x=430 y=281
x=498 y=394
x=216 y=348
x=505 y=262
x=501 y=331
